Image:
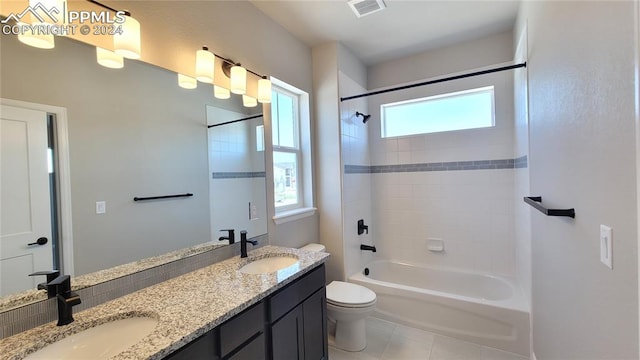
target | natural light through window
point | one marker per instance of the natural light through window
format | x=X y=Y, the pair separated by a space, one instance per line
x=286 y=150
x=469 y=109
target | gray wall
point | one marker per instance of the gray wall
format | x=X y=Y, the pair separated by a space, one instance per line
x=582 y=155
x=328 y=161
x=461 y=57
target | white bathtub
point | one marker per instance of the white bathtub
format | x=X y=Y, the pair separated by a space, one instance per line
x=484 y=309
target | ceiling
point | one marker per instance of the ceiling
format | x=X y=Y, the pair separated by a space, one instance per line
x=404 y=28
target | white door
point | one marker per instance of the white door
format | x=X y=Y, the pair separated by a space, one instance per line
x=25 y=209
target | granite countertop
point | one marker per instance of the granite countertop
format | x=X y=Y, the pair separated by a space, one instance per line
x=83 y=281
x=186 y=307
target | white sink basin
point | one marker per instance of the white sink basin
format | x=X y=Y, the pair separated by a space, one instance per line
x=99 y=342
x=270 y=265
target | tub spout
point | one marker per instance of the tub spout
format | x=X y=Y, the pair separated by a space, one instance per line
x=367 y=247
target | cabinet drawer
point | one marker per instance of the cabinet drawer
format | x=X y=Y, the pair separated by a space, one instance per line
x=255 y=350
x=202 y=348
x=288 y=298
x=241 y=328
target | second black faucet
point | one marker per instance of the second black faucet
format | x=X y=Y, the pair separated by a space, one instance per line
x=243 y=243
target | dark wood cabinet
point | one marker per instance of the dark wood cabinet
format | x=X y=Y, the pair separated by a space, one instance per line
x=314 y=312
x=242 y=329
x=204 y=347
x=298 y=319
x=290 y=324
x=287 y=336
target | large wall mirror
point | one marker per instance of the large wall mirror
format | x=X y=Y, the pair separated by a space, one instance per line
x=133 y=132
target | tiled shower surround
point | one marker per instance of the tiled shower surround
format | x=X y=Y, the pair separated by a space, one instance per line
x=457 y=186
x=470 y=210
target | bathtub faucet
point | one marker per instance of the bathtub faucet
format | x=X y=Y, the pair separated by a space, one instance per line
x=367 y=247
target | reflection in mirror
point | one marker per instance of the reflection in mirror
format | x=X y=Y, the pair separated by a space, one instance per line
x=132 y=132
x=237 y=172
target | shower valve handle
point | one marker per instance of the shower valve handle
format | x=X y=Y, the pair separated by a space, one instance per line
x=362 y=228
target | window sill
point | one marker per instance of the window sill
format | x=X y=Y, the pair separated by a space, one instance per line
x=293 y=215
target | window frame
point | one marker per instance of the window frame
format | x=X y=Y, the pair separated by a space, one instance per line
x=484 y=89
x=288 y=149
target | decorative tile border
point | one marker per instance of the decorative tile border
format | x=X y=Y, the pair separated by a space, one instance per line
x=520 y=162
x=238 y=175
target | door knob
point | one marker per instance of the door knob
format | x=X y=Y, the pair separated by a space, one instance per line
x=40 y=241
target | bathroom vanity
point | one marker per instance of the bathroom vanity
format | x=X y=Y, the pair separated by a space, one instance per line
x=216 y=312
x=289 y=324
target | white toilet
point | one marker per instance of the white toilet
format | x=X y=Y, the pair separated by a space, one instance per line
x=348 y=305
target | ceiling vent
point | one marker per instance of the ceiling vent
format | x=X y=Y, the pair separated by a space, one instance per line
x=366 y=7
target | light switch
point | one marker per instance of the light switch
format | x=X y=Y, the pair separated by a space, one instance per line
x=606 y=246
x=101 y=207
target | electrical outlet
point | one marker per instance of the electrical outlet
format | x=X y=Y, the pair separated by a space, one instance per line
x=606 y=246
x=101 y=207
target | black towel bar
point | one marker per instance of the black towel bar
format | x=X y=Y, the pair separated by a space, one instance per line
x=535 y=201
x=161 y=197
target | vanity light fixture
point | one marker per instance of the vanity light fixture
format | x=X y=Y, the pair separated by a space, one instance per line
x=264 y=90
x=205 y=62
x=127 y=43
x=249 y=101
x=221 y=93
x=187 y=82
x=238 y=80
x=108 y=58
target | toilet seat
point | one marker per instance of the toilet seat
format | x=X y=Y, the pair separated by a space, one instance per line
x=348 y=295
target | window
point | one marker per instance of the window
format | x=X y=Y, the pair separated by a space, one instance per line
x=285 y=114
x=470 y=109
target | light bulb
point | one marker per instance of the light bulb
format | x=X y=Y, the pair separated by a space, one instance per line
x=127 y=43
x=249 y=101
x=221 y=93
x=187 y=82
x=264 y=91
x=36 y=39
x=238 y=80
x=205 y=61
x=108 y=58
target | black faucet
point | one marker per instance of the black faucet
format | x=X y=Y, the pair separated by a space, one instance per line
x=231 y=237
x=367 y=247
x=51 y=275
x=243 y=243
x=362 y=227
x=67 y=299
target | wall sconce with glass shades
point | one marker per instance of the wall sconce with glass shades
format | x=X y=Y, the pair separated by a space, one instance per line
x=126 y=44
x=237 y=75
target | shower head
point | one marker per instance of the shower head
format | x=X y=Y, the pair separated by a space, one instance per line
x=365 y=118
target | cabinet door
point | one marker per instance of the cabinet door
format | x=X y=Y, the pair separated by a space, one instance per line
x=287 y=336
x=315 y=326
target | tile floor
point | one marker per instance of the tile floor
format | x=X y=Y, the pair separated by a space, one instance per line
x=390 y=341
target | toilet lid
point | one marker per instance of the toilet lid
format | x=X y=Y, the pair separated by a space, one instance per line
x=349 y=295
